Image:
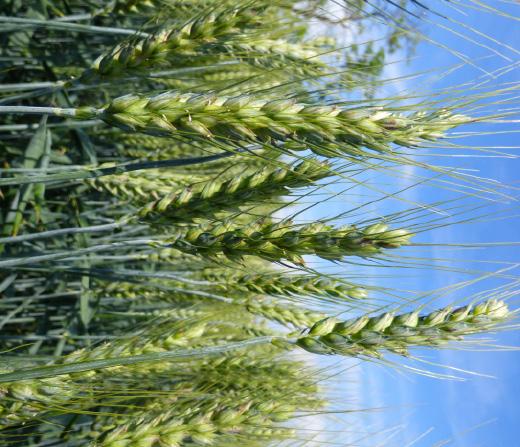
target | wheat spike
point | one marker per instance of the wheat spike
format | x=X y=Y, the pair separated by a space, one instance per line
x=368 y=336
x=285 y=241
x=327 y=130
x=206 y=198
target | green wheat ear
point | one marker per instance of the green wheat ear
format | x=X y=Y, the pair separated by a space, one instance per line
x=366 y=336
x=155 y=50
x=206 y=198
x=280 y=284
x=280 y=241
x=236 y=31
x=222 y=31
x=252 y=118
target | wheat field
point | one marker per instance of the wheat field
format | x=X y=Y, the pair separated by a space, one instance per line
x=165 y=277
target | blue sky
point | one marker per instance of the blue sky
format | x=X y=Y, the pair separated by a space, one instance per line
x=478 y=411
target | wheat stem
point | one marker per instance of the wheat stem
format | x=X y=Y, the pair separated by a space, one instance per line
x=64 y=231
x=22 y=86
x=30 y=110
x=64 y=26
x=99 y=172
x=9 y=263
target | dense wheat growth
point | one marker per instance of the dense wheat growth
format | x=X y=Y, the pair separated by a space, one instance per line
x=159 y=283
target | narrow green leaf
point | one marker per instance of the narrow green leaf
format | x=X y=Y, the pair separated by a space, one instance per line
x=39 y=188
x=39 y=144
x=89 y=153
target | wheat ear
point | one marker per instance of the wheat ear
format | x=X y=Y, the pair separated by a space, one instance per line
x=285 y=241
x=155 y=50
x=368 y=336
x=206 y=198
x=279 y=284
x=251 y=118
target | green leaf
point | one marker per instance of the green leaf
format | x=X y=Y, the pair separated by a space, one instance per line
x=89 y=153
x=37 y=147
x=39 y=188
